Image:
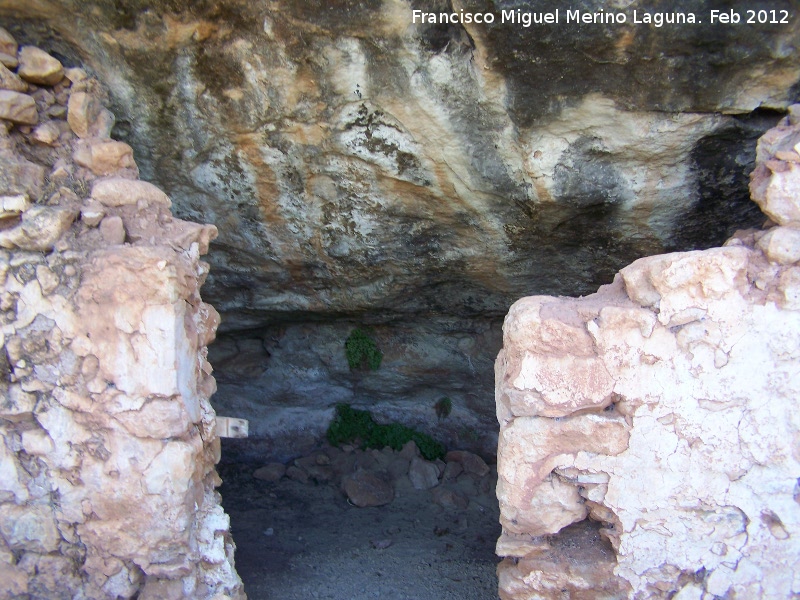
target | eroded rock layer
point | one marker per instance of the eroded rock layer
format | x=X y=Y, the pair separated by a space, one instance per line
x=664 y=408
x=107 y=437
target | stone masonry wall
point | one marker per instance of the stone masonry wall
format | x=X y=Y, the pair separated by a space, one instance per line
x=664 y=409
x=107 y=437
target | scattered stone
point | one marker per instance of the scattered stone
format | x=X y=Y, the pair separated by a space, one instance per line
x=37 y=66
x=297 y=474
x=423 y=474
x=450 y=499
x=320 y=473
x=18 y=108
x=410 y=450
x=364 y=489
x=58 y=112
x=452 y=470
x=272 y=472
x=75 y=75
x=472 y=463
x=381 y=544
x=47 y=133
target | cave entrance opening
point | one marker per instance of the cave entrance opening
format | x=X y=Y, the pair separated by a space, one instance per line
x=314 y=520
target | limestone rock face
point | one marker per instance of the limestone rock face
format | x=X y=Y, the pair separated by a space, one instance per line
x=107 y=437
x=664 y=408
x=350 y=155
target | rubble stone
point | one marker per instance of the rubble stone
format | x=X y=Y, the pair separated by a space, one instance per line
x=423 y=474
x=106 y=157
x=37 y=66
x=107 y=437
x=11 y=81
x=8 y=45
x=18 y=108
x=364 y=488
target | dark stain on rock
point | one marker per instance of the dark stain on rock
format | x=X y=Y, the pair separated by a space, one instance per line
x=217 y=70
x=589 y=178
x=441 y=37
x=722 y=163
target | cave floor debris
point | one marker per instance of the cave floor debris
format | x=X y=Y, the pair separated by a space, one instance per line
x=304 y=540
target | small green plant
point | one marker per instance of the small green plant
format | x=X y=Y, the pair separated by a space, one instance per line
x=350 y=425
x=443 y=407
x=362 y=351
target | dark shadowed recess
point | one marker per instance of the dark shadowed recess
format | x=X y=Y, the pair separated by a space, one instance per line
x=722 y=163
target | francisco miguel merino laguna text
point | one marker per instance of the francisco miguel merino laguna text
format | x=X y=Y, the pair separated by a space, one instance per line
x=527 y=19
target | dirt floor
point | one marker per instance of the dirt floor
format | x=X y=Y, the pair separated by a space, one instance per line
x=297 y=541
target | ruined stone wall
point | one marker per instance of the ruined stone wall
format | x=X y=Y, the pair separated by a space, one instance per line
x=107 y=437
x=664 y=408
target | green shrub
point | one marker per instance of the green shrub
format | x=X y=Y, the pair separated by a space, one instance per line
x=443 y=407
x=361 y=351
x=350 y=425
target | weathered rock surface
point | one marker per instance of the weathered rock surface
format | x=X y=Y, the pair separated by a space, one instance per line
x=662 y=407
x=363 y=167
x=107 y=437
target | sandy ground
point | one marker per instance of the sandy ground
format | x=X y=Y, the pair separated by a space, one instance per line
x=300 y=541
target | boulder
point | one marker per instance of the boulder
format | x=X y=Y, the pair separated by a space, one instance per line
x=423 y=474
x=364 y=488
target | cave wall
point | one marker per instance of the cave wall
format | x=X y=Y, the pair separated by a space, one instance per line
x=663 y=408
x=107 y=437
x=365 y=170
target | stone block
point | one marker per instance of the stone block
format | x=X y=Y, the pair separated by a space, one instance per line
x=37 y=66
x=18 y=108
